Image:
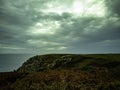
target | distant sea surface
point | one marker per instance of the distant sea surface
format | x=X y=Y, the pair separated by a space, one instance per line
x=10 y=62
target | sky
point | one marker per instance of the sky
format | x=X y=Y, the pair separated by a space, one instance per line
x=59 y=26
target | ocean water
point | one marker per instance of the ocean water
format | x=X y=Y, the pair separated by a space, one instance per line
x=10 y=62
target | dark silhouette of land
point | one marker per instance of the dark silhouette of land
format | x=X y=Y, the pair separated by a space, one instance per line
x=65 y=72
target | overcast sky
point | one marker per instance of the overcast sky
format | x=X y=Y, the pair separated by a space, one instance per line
x=59 y=26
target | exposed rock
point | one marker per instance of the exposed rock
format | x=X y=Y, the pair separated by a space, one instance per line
x=67 y=61
x=50 y=61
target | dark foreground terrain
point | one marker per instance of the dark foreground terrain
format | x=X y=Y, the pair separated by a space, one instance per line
x=65 y=72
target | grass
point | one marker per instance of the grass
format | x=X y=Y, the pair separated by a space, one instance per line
x=82 y=72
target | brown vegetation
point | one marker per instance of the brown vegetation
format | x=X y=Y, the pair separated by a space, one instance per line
x=85 y=72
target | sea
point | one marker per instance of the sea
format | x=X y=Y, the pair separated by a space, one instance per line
x=11 y=62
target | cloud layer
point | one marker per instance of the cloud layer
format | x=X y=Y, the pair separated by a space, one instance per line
x=59 y=26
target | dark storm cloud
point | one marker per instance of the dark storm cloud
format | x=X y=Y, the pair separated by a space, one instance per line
x=93 y=34
x=95 y=29
x=15 y=24
x=72 y=33
x=113 y=6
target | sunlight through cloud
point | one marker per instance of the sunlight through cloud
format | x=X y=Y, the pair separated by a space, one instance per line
x=45 y=27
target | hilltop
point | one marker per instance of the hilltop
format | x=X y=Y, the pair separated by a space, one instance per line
x=65 y=72
x=74 y=62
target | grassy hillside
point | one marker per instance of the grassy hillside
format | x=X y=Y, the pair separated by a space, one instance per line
x=71 y=62
x=65 y=72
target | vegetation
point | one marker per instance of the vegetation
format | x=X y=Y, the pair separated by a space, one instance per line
x=7 y=78
x=65 y=72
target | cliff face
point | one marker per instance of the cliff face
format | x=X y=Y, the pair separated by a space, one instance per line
x=68 y=61
x=51 y=61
